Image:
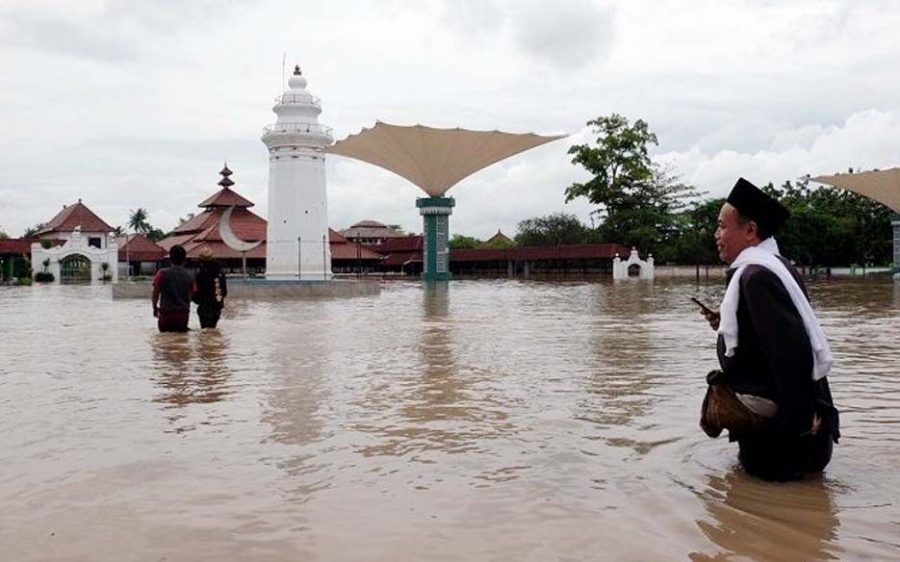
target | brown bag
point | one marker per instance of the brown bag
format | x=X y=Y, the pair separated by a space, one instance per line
x=722 y=410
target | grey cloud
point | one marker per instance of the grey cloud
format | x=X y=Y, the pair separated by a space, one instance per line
x=50 y=33
x=571 y=34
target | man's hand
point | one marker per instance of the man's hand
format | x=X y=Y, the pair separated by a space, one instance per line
x=155 y=311
x=712 y=317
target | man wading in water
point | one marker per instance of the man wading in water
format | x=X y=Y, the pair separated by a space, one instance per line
x=772 y=393
x=172 y=290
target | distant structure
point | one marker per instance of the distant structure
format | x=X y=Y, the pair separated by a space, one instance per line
x=88 y=253
x=297 y=238
x=371 y=233
x=634 y=267
x=498 y=240
x=139 y=255
x=203 y=230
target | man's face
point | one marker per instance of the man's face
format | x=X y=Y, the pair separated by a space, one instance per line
x=732 y=237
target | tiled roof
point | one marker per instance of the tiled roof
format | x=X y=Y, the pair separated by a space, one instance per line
x=225 y=197
x=203 y=230
x=136 y=247
x=372 y=229
x=19 y=246
x=576 y=251
x=406 y=243
x=73 y=216
x=499 y=237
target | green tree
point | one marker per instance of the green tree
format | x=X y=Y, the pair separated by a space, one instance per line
x=637 y=200
x=137 y=220
x=4 y=235
x=833 y=227
x=154 y=234
x=31 y=231
x=694 y=240
x=552 y=230
x=459 y=242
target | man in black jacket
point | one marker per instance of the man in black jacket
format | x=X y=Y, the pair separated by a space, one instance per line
x=772 y=352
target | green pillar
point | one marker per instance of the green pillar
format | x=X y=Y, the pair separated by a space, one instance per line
x=895 y=224
x=435 y=213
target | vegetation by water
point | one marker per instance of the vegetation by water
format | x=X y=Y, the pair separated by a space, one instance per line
x=639 y=202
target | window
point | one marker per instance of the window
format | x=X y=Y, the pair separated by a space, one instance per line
x=95 y=242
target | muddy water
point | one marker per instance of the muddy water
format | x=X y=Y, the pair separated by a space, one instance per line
x=491 y=421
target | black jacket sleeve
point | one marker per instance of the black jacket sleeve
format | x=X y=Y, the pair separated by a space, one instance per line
x=785 y=345
x=223 y=285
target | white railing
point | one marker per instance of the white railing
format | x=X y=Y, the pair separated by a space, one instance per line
x=298 y=98
x=297 y=128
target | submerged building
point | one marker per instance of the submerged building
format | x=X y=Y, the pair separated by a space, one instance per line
x=76 y=246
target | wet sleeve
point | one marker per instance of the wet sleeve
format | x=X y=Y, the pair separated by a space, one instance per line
x=785 y=344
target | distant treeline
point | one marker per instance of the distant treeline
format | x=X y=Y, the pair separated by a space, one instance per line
x=640 y=204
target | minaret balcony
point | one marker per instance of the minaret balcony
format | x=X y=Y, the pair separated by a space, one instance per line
x=285 y=134
x=304 y=99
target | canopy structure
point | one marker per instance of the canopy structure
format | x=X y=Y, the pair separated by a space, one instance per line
x=434 y=159
x=881 y=185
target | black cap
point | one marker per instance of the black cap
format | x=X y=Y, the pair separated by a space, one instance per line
x=755 y=205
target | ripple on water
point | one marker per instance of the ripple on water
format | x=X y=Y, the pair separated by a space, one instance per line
x=484 y=420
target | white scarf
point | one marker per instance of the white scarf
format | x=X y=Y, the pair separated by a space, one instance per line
x=765 y=254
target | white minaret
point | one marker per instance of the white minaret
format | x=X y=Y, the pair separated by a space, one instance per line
x=297 y=245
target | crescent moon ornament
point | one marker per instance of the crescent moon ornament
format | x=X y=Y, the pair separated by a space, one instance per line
x=229 y=237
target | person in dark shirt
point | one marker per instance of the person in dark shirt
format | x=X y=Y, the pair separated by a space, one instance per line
x=172 y=290
x=211 y=290
x=773 y=355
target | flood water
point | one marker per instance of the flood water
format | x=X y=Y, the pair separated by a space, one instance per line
x=487 y=420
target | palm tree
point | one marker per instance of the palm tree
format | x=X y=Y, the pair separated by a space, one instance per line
x=138 y=220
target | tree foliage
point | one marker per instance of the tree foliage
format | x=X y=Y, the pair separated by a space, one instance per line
x=461 y=242
x=552 y=230
x=637 y=200
x=31 y=231
x=137 y=220
x=833 y=227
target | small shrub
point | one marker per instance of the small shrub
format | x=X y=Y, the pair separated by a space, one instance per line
x=44 y=277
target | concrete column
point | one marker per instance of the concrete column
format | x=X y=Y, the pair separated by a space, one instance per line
x=435 y=213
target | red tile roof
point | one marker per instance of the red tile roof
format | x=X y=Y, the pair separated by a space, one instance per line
x=19 y=246
x=225 y=197
x=136 y=247
x=577 y=251
x=203 y=229
x=74 y=216
x=408 y=243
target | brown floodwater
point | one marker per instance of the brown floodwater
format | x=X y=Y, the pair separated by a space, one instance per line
x=487 y=420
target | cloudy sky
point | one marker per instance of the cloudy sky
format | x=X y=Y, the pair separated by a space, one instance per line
x=137 y=103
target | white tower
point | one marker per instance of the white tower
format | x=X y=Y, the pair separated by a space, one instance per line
x=297 y=243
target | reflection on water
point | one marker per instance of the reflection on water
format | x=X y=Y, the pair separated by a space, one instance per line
x=497 y=420
x=757 y=520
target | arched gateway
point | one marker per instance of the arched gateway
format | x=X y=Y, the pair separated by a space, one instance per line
x=75 y=269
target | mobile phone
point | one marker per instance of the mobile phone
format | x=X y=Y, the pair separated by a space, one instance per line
x=705 y=308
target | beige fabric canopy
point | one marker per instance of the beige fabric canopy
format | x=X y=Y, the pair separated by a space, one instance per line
x=881 y=185
x=434 y=159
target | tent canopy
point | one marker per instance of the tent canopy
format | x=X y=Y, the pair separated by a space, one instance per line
x=881 y=185
x=434 y=159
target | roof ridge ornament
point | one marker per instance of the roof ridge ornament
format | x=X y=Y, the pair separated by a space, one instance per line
x=226 y=181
